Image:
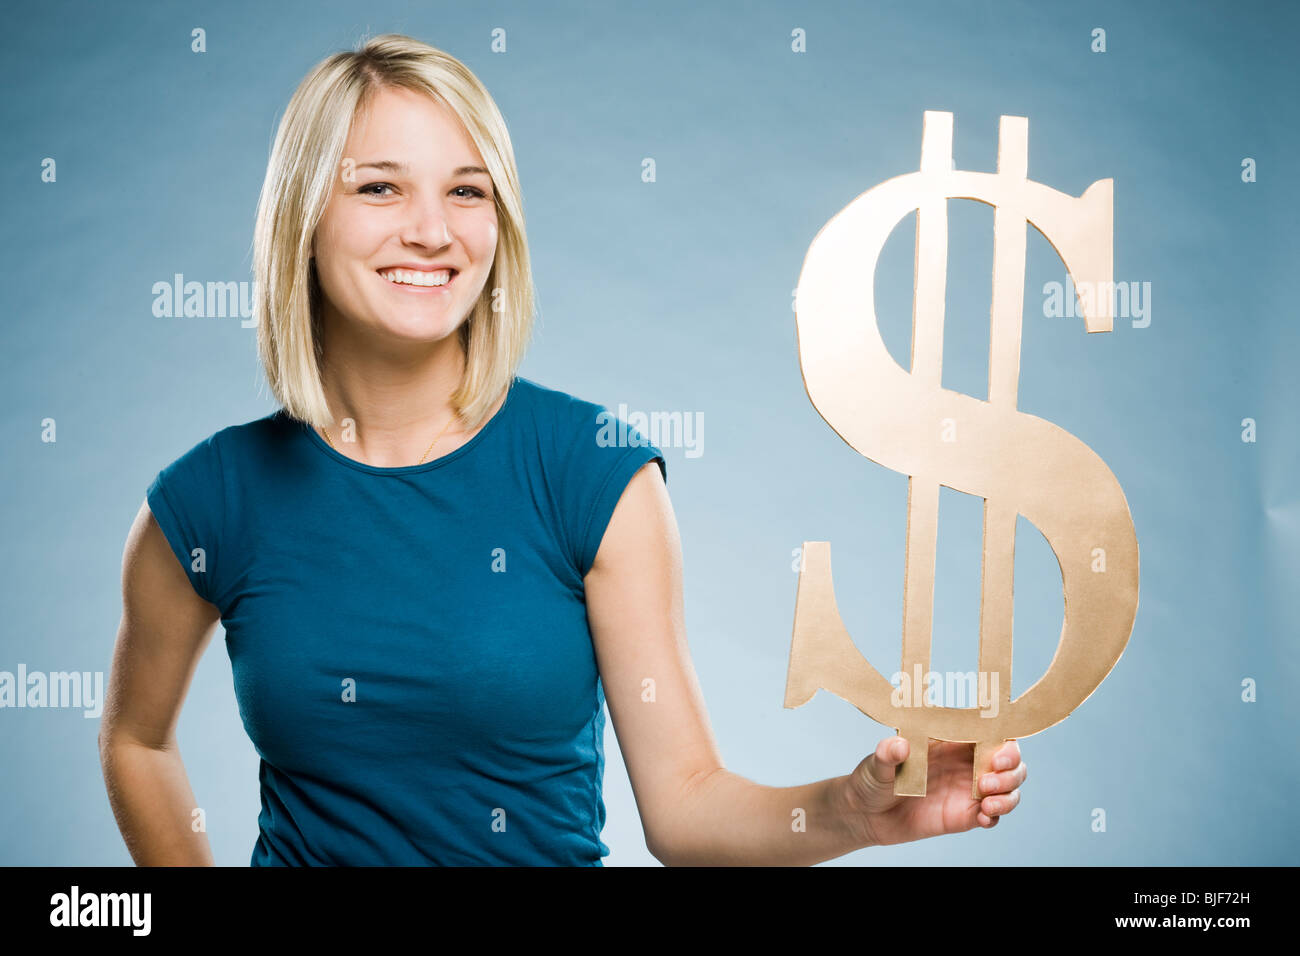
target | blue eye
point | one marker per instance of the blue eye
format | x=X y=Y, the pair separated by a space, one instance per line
x=369 y=186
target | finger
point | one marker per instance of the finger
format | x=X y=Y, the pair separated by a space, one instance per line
x=988 y=822
x=1004 y=782
x=880 y=767
x=1002 y=803
x=892 y=751
x=1008 y=756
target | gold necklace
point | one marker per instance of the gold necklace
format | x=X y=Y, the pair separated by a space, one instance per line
x=422 y=457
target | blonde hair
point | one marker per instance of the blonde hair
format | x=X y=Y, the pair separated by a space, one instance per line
x=300 y=179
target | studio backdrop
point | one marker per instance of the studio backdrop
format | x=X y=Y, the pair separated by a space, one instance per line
x=677 y=161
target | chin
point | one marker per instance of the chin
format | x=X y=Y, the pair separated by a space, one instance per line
x=427 y=330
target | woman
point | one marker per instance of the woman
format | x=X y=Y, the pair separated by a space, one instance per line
x=432 y=573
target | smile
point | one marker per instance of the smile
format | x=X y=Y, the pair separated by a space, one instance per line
x=415 y=280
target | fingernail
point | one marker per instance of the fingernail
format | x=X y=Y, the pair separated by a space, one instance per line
x=1002 y=763
x=989 y=782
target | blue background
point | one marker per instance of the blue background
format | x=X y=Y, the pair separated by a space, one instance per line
x=676 y=295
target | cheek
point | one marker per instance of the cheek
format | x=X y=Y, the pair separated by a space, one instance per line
x=326 y=244
x=485 y=240
x=347 y=233
x=341 y=259
x=336 y=260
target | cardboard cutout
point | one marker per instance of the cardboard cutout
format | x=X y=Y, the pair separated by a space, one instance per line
x=1019 y=463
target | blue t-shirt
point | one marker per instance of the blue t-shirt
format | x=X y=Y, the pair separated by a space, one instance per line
x=410 y=646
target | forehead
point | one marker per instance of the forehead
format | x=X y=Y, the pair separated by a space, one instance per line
x=410 y=128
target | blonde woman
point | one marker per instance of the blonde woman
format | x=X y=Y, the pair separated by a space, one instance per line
x=433 y=573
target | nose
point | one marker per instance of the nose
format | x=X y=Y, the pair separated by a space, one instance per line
x=427 y=224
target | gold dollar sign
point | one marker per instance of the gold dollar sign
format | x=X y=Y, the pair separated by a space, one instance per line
x=1019 y=463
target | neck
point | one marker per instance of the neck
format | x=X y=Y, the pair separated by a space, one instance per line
x=399 y=398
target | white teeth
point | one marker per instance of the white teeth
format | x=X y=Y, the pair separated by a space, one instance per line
x=412 y=277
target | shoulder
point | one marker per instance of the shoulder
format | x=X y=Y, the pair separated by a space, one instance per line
x=233 y=441
x=212 y=465
x=588 y=456
x=560 y=423
x=196 y=502
x=556 y=408
x=580 y=432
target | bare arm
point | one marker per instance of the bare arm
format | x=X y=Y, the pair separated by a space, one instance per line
x=164 y=630
x=693 y=810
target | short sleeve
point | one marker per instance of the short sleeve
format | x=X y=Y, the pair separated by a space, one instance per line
x=605 y=453
x=187 y=500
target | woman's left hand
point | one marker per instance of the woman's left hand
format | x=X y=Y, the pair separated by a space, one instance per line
x=947 y=806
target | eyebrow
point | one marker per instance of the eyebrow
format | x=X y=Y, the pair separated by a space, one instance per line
x=392 y=165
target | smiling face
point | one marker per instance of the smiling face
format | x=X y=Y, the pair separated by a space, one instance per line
x=412 y=204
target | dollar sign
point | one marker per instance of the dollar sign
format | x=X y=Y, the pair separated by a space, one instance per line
x=1019 y=463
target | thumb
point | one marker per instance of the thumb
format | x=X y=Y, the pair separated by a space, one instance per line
x=877 y=771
